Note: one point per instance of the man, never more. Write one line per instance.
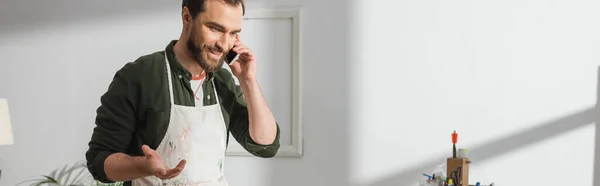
(159, 129)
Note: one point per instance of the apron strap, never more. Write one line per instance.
(169, 78)
(215, 90)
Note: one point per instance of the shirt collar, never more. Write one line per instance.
(177, 67)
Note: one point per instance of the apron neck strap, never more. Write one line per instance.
(169, 78)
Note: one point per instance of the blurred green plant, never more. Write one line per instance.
(69, 175)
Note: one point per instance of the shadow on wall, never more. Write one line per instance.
(520, 140)
(597, 135)
(17, 16)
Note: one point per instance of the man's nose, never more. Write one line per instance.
(227, 41)
(220, 47)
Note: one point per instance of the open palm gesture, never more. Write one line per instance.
(157, 166)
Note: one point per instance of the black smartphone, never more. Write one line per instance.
(230, 56)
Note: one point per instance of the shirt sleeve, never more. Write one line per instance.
(115, 124)
(239, 127)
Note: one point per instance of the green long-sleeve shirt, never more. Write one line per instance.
(135, 109)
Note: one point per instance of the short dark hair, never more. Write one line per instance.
(197, 6)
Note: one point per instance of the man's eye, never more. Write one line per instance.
(213, 29)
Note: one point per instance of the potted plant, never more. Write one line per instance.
(69, 175)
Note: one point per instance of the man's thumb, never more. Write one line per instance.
(146, 149)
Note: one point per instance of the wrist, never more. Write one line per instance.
(248, 84)
(141, 164)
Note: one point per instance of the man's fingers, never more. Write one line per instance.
(161, 172)
(243, 51)
(181, 164)
(169, 176)
(171, 173)
(177, 169)
(164, 177)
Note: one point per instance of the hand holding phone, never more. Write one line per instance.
(245, 67)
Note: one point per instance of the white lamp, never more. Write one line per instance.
(6, 135)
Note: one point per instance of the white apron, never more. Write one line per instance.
(198, 135)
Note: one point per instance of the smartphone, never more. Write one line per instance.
(230, 57)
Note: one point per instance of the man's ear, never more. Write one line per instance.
(186, 18)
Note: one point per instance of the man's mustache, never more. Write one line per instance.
(217, 49)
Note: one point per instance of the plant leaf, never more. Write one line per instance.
(51, 179)
(69, 175)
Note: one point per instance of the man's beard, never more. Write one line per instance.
(208, 65)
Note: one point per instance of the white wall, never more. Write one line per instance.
(385, 83)
(498, 72)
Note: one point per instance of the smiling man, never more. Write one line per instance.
(166, 117)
